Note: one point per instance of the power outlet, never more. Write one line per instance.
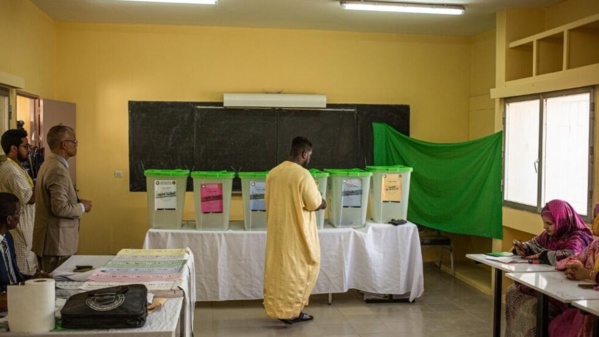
(118, 174)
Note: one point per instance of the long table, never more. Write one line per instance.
(377, 258)
(499, 269)
(555, 285)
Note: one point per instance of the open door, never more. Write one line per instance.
(55, 113)
(4, 111)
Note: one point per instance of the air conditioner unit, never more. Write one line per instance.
(275, 100)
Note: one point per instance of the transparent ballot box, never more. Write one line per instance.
(166, 197)
(212, 199)
(347, 196)
(389, 192)
(321, 179)
(253, 185)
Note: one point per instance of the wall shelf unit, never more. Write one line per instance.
(558, 49)
(562, 57)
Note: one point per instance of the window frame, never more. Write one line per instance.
(541, 97)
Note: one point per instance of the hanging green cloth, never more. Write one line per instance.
(454, 187)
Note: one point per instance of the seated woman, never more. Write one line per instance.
(584, 266)
(565, 235)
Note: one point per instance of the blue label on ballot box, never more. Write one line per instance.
(257, 196)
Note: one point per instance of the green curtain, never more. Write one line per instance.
(454, 187)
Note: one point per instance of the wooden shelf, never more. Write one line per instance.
(593, 19)
(550, 54)
(555, 50)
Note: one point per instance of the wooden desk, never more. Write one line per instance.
(554, 285)
(499, 268)
(378, 258)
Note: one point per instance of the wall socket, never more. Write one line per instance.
(118, 174)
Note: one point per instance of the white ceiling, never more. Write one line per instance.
(287, 14)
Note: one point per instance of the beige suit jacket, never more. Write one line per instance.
(57, 213)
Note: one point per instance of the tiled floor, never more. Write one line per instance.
(447, 308)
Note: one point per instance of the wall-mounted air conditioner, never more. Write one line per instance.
(275, 100)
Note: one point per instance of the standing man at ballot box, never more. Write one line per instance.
(292, 246)
(59, 210)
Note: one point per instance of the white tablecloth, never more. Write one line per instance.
(378, 258)
(161, 323)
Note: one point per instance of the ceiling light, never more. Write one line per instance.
(195, 2)
(404, 7)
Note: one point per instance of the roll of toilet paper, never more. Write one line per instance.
(31, 306)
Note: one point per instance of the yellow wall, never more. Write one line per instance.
(28, 38)
(510, 26)
(482, 79)
(102, 67)
(445, 80)
(480, 116)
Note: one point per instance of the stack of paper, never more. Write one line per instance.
(157, 269)
(507, 259)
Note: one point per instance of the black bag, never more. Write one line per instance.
(114, 307)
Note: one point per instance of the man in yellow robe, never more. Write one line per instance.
(292, 246)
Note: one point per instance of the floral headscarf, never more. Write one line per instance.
(570, 230)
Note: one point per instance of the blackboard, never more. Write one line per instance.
(207, 137)
(160, 136)
(331, 131)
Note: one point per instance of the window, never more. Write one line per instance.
(548, 143)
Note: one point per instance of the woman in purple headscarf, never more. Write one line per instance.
(565, 235)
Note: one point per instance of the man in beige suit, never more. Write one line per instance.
(59, 210)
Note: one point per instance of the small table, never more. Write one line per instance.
(161, 323)
(554, 285)
(499, 269)
(187, 286)
(592, 307)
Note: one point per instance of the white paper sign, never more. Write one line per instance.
(165, 195)
(352, 192)
(257, 196)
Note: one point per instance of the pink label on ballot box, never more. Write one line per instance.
(212, 198)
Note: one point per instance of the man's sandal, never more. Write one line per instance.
(301, 318)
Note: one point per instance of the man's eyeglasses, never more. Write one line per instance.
(74, 141)
(27, 146)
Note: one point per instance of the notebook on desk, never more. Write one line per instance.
(506, 259)
(499, 254)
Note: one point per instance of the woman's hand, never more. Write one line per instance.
(518, 248)
(518, 251)
(532, 257)
(577, 272)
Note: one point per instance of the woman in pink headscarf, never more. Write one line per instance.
(565, 235)
(584, 266)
